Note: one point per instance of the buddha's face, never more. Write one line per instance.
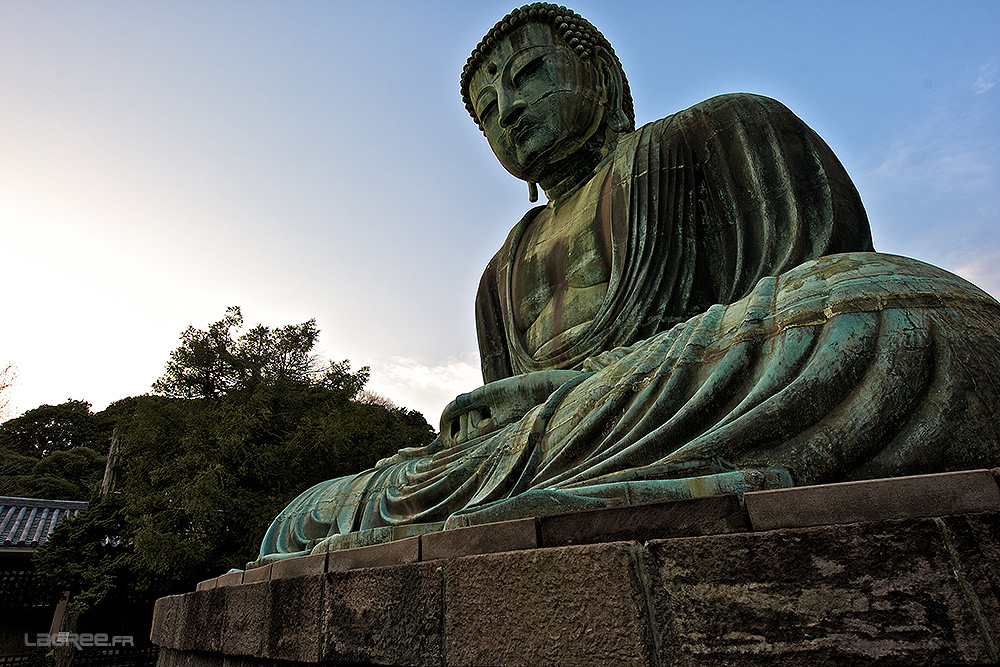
(537, 101)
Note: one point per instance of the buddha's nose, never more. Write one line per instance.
(510, 111)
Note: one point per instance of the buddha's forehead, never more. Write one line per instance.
(517, 40)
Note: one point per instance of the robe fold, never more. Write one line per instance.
(703, 204)
(750, 339)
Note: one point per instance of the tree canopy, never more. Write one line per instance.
(239, 424)
(50, 428)
(54, 451)
(214, 362)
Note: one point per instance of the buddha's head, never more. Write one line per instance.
(547, 90)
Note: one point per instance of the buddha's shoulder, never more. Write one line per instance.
(723, 109)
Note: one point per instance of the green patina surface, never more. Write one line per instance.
(697, 309)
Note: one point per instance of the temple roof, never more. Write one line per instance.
(28, 522)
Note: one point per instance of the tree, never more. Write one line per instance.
(66, 475)
(212, 363)
(12, 466)
(240, 424)
(49, 428)
(53, 451)
(92, 556)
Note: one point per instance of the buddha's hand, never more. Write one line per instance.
(498, 404)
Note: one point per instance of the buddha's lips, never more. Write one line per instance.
(517, 131)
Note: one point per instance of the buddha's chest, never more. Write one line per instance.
(562, 266)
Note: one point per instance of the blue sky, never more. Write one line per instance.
(162, 161)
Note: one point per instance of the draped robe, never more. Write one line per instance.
(750, 339)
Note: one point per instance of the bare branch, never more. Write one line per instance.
(7, 378)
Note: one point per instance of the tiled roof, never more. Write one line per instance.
(28, 522)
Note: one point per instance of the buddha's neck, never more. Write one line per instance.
(571, 173)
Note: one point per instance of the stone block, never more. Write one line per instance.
(302, 566)
(574, 606)
(243, 661)
(482, 539)
(377, 555)
(387, 615)
(679, 518)
(202, 620)
(246, 622)
(880, 592)
(234, 578)
(874, 500)
(296, 610)
(973, 541)
(207, 584)
(168, 621)
(172, 658)
(253, 575)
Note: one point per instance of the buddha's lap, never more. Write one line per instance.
(849, 366)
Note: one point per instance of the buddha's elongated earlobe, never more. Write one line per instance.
(532, 192)
(616, 119)
(614, 114)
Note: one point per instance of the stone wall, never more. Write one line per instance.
(899, 571)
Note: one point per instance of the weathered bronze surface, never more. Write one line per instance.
(697, 309)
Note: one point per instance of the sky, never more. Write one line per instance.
(161, 161)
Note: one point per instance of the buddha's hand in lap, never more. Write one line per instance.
(498, 404)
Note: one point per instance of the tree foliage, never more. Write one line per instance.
(240, 425)
(214, 362)
(92, 556)
(63, 475)
(54, 451)
(50, 428)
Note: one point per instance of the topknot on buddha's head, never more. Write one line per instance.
(578, 33)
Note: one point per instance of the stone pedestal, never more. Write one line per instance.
(903, 571)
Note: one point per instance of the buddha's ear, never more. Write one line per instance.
(616, 118)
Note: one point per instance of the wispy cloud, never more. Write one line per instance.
(932, 189)
(938, 163)
(980, 268)
(988, 76)
(422, 385)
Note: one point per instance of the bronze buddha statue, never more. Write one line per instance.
(697, 309)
